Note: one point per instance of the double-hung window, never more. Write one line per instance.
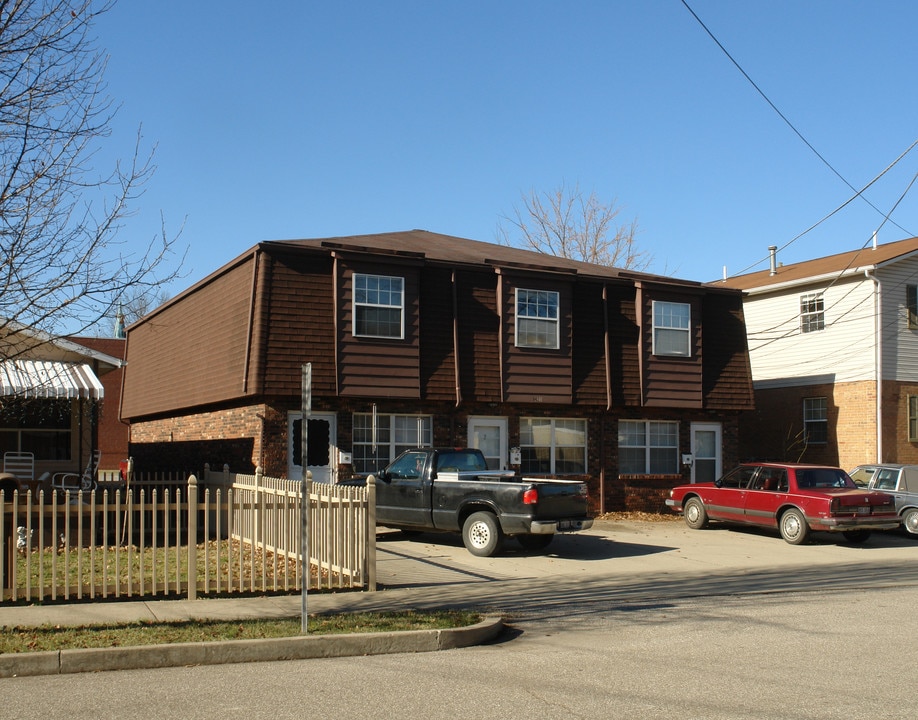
(648, 447)
(671, 328)
(553, 446)
(913, 418)
(393, 435)
(379, 306)
(537, 319)
(911, 306)
(812, 312)
(816, 420)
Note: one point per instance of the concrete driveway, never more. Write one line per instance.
(617, 562)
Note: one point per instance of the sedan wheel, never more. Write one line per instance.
(696, 517)
(910, 520)
(793, 527)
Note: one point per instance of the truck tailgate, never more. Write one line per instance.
(559, 498)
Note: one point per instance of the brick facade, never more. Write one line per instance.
(250, 436)
(851, 419)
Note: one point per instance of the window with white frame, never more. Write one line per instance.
(913, 418)
(816, 420)
(553, 446)
(911, 306)
(379, 306)
(812, 313)
(671, 328)
(394, 434)
(648, 447)
(537, 319)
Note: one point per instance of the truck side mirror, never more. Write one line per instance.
(383, 475)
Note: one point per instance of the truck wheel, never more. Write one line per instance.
(481, 534)
(910, 521)
(696, 517)
(534, 543)
(793, 527)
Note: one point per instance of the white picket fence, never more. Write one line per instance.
(239, 534)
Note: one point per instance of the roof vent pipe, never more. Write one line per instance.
(773, 252)
(874, 239)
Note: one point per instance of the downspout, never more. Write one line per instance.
(456, 341)
(877, 359)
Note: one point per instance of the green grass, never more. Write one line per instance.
(46, 637)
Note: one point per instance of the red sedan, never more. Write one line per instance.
(794, 498)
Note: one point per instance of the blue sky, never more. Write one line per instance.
(306, 119)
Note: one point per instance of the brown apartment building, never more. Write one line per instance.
(632, 381)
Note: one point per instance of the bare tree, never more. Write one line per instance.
(64, 266)
(568, 223)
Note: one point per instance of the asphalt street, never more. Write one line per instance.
(629, 620)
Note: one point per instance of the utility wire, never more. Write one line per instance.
(784, 118)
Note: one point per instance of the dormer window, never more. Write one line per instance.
(379, 306)
(671, 328)
(537, 319)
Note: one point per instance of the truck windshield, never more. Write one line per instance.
(461, 461)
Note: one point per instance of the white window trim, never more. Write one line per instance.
(912, 404)
(647, 446)
(818, 315)
(556, 320)
(355, 304)
(391, 444)
(808, 405)
(555, 444)
(687, 331)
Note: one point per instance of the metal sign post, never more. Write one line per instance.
(306, 409)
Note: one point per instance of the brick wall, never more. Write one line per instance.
(774, 431)
(257, 435)
(896, 445)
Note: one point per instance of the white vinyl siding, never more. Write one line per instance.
(900, 344)
(781, 355)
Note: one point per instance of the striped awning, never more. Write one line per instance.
(49, 379)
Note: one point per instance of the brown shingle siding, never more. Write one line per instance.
(479, 328)
(437, 360)
(191, 352)
(727, 377)
(300, 324)
(588, 353)
(378, 367)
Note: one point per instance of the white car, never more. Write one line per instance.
(900, 481)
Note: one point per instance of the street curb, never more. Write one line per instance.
(59, 662)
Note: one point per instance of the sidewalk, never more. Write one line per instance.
(585, 573)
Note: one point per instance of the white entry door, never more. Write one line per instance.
(706, 452)
(489, 434)
(322, 446)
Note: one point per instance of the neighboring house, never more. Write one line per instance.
(550, 365)
(824, 335)
(51, 398)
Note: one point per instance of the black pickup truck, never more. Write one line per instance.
(452, 490)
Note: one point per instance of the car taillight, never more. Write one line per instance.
(833, 506)
(531, 496)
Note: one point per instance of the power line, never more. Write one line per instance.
(784, 118)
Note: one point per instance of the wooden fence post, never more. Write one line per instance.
(371, 533)
(192, 537)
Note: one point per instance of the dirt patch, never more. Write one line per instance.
(635, 516)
